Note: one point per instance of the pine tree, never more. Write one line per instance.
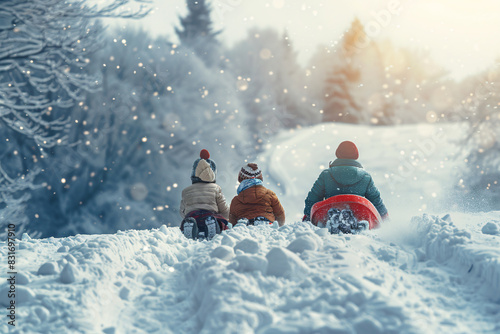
(288, 86)
(196, 32)
(270, 83)
(340, 103)
(354, 40)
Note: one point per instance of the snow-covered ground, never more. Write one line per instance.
(419, 273)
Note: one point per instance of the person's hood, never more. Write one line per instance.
(346, 171)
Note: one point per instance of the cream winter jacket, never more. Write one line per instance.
(206, 196)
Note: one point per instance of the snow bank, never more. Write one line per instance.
(473, 258)
(82, 283)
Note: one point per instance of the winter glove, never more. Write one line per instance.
(306, 218)
(385, 217)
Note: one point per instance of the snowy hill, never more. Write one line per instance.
(424, 274)
(412, 165)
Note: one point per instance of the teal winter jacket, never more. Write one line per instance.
(344, 176)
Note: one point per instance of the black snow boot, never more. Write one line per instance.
(208, 228)
(347, 221)
(190, 228)
(333, 220)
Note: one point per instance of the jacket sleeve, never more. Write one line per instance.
(232, 212)
(373, 195)
(316, 194)
(222, 204)
(278, 211)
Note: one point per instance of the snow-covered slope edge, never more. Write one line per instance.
(446, 244)
(82, 283)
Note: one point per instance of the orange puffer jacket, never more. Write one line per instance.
(254, 202)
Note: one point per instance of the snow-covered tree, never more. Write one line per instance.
(340, 104)
(290, 87)
(44, 51)
(372, 82)
(270, 82)
(354, 41)
(412, 89)
(196, 32)
(340, 97)
(14, 196)
(481, 179)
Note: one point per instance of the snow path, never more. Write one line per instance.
(411, 165)
(237, 295)
(366, 273)
(108, 269)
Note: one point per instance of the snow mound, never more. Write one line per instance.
(49, 268)
(68, 274)
(491, 228)
(443, 242)
(227, 241)
(283, 263)
(248, 263)
(223, 253)
(303, 243)
(24, 295)
(92, 281)
(247, 246)
(22, 278)
(267, 289)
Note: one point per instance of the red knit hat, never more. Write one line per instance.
(204, 154)
(347, 150)
(250, 171)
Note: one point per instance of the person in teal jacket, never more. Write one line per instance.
(345, 176)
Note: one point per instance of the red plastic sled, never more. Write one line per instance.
(362, 209)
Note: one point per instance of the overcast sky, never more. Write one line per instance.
(462, 35)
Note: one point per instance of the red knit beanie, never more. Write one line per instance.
(250, 171)
(347, 150)
(204, 154)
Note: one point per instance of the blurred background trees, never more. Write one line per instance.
(44, 55)
(480, 177)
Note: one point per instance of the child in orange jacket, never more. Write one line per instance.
(254, 201)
